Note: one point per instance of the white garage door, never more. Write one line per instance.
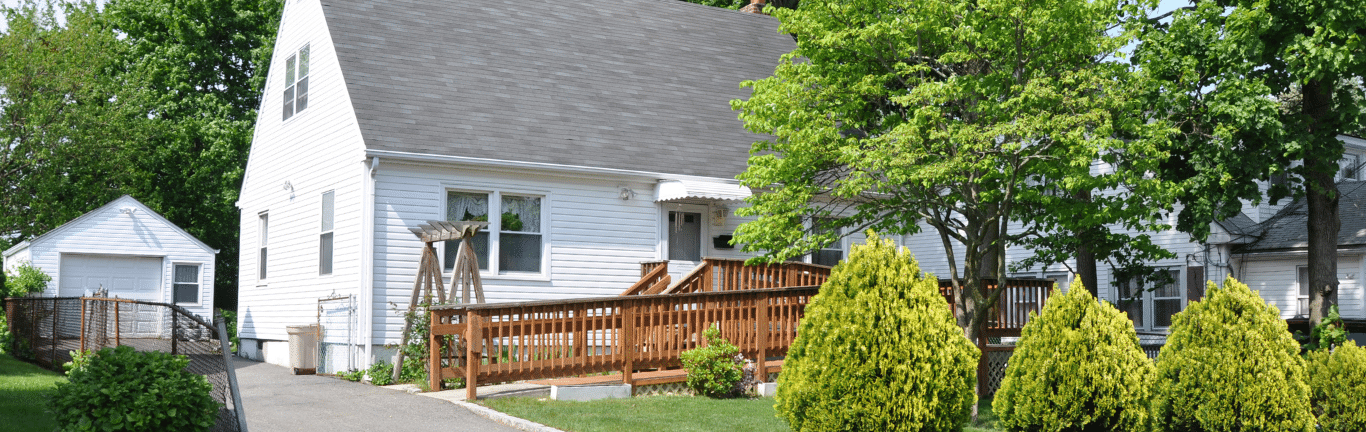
(124, 277)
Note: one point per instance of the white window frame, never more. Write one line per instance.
(1350, 163)
(1301, 286)
(494, 229)
(1148, 322)
(326, 233)
(198, 283)
(297, 71)
(263, 246)
(838, 244)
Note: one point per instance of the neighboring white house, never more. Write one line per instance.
(597, 134)
(127, 249)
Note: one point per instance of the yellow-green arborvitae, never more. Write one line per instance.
(878, 350)
(1337, 383)
(1230, 364)
(1077, 367)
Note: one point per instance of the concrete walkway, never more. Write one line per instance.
(276, 400)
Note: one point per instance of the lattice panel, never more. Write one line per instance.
(669, 389)
(996, 370)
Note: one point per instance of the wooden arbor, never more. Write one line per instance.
(465, 277)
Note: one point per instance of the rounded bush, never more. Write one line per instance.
(1230, 364)
(1337, 383)
(878, 350)
(1077, 367)
(716, 369)
(118, 389)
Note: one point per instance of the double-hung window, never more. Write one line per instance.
(186, 284)
(296, 83)
(1302, 296)
(1151, 309)
(325, 233)
(264, 232)
(514, 240)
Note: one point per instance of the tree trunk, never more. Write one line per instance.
(1086, 257)
(1322, 196)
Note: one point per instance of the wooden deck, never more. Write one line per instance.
(641, 378)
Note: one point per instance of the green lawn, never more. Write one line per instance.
(22, 390)
(665, 413)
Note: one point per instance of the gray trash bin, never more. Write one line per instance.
(303, 349)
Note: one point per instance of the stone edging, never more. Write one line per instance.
(519, 423)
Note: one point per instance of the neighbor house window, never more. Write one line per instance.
(1151, 308)
(512, 242)
(1302, 296)
(325, 234)
(186, 284)
(1349, 167)
(264, 241)
(296, 83)
(831, 253)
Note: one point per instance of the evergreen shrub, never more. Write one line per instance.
(715, 369)
(878, 350)
(119, 389)
(1077, 367)
(1230, 364)
(1337, 383)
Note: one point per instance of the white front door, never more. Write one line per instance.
(685, 237)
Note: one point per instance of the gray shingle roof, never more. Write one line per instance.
(627, 84)
(1287, 230)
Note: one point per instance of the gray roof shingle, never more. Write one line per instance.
(626, 84)
(1288, 229)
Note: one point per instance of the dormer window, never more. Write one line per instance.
(1349, 167)
(296, 83)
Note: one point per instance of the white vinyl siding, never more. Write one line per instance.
(315, 151)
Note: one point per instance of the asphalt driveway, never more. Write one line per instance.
(276, 400)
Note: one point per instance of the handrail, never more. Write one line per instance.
(728, 274)
(648, 280)
(695, 281)
(499, 342)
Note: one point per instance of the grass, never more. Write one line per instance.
(668, 413)
(22, 390)
(653, 413)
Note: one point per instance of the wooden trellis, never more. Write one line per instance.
(464, 280)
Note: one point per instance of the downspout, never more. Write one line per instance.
(367, 259)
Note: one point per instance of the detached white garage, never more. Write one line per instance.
(127, 250)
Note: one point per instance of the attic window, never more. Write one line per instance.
(296, 83)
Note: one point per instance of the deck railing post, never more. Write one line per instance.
(474, 340)
(628, 346)
(433, 354)
(761, 321)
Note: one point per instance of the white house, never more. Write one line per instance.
(127, 249)
(592, 135)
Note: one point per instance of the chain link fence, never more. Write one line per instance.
(46, 330)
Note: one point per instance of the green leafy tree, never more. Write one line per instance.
(1077, 367)
(1230, 364)
(201, 65)
(1337, 381)
(1250, 86)
(66, 117)
(23, 280)
(958, 115)
(878, 350)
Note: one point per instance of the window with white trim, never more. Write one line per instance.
(1349, 167)
(185, 286)
(296, 83)
(1151, 309)
(1302, 296)
(325, 233)
(514, 241)
(263, 229)
(831, 253)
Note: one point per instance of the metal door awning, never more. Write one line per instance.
(690, 190)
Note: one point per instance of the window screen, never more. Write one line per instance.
(519, 238)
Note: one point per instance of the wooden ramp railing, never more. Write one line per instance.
(722, 274)
(547, 339)
(1021, 296)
